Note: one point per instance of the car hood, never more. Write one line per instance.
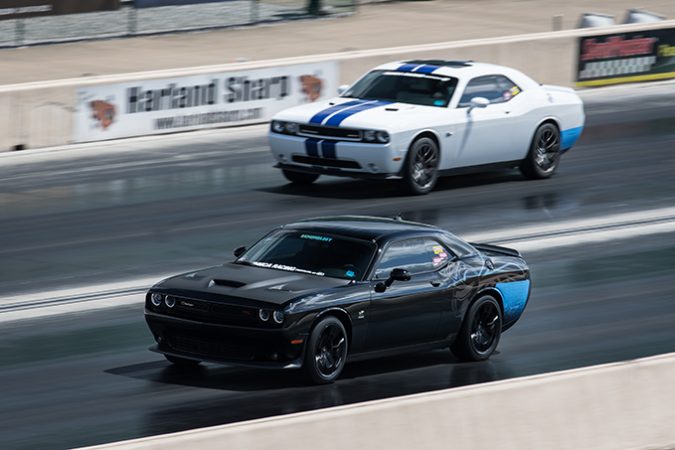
(354, 113)
(249, 282)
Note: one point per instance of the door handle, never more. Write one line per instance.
(435, 283)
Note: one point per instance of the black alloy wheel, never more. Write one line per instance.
(420, 172)
(182, 362)
(300, 178)
(544, 155)
(326, 351)
(480, 332)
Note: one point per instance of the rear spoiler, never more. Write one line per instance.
(493, 250)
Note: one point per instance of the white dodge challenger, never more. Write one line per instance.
(416, 120)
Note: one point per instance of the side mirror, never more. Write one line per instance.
(342, 89)
(239, 251)
(395, 275)
(478, 102)
(399, 275)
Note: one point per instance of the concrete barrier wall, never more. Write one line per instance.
(617, 406)
(39, 114)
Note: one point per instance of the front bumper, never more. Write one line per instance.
(339, 158)
(252, 347)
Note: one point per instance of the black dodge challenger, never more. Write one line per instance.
(321, 292)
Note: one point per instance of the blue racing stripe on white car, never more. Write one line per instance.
(312, 146)
(328, 149)
(417, 68)
(426, 69)
(407, 67)
(337, 118)
(321, 115)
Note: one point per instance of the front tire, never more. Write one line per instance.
(326, 351)
(300, 178)
(544, 156)
(182, 362)
(480, 332)
(420, 171)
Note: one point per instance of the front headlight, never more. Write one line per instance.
(170, 301)
(376, 136)
(264, 315)
(156, 298)
(278, 126)
(382, 136)
(278, 317)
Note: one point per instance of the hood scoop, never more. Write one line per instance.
(226, 283)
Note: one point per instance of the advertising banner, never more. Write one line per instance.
(201, 101)
(19, 9)
(626, 58)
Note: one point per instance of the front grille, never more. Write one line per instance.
(330, 132)
(209, 347)
(316, 161)
(214, 312)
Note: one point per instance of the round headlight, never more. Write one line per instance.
(278, 126)
(382, 136)
(264, 315)
(170, 301)
(156, 298)
(369, 135)
(278, 316)
(291, 127)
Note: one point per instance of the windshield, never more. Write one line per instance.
(315, 254)
(418, 89)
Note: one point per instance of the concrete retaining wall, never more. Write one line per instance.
(40, 114)
(617, 406)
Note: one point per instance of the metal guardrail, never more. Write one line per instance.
(129, 21)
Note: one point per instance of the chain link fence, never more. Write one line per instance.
(130, 21)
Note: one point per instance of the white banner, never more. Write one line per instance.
(200, 101)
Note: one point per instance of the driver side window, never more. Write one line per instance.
(417, 255)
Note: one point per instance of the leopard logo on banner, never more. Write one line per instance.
(311, 87)
(103, 113)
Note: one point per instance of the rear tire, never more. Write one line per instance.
(182, 362)
(300, 178)
(326, 351)
(479, 336)
(544, 156)
(420, 171)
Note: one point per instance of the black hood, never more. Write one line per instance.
(249, 282)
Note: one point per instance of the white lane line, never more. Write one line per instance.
(529, 238)
(530, 232)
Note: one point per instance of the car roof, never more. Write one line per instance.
(463, 69)
(363, 227)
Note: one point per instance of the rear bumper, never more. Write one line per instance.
(250, 347)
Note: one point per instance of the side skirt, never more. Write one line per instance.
(480, 168)
(401, 350)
